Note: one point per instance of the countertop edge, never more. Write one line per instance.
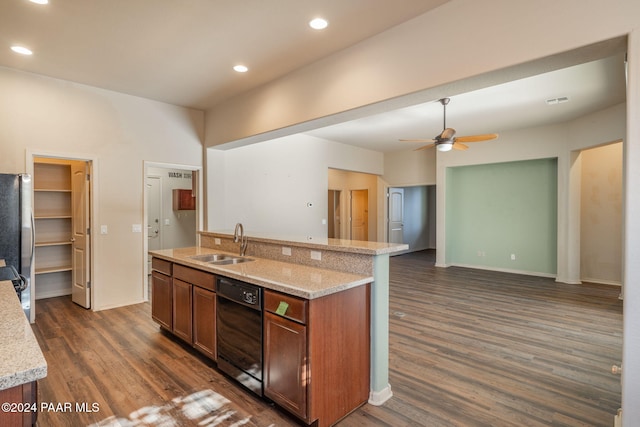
(338, 245)
(230, 271)
(31, 365)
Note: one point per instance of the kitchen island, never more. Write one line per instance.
(325, 320)
(21, 362)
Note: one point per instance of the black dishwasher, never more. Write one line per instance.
(239, 331)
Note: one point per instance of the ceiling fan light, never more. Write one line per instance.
(445, 146)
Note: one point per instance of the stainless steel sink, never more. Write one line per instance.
(231, 260)
(220, 259)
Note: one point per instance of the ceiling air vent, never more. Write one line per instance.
(560, 100)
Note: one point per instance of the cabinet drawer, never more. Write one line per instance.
(296, 310)
(161, 265)
(195, 277)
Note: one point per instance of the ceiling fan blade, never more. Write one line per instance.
(417, 140)
(447, 134)
(459, 146)
(424, 147)
(477, 138)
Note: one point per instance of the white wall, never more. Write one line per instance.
(119, 132)
(267, 186)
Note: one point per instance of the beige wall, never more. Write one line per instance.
(601, 214)
(40, 115)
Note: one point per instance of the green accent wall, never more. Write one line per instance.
(495, 210)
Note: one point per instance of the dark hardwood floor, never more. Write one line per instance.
(467, 348)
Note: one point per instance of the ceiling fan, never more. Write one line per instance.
(447, 140)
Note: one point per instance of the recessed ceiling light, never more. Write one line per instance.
(39, 1)
(318, 24)
(21, 50)
(241, 68)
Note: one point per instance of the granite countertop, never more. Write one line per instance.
(293, 279)
(341, 245)
(21, 360)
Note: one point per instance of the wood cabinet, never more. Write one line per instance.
(204, 321)
(285, 363)
(182, 310)
(162, 293)
(52, 226)
(24, 395)
(183, 301)
(184, 200)
(316, 353)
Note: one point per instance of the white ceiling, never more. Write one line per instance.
(517, 104)
(182, 52)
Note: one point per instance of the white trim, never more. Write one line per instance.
(377, 398)
(505, 270)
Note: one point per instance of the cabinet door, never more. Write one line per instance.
(161, 299)
(285, 363)
(204, 321)
(182, 323)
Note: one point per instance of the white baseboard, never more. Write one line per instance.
(617, 419)
(377, 398)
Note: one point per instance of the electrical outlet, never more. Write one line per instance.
(316, 255)
(513, 257)
(286, 251)
(216, 240)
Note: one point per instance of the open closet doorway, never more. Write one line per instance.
(63, 212)
(172, 208)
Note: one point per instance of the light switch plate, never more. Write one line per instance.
(136, 228)
(104, 229)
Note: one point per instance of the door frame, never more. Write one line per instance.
(145, 211)
(94, 186)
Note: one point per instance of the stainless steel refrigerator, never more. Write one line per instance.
(17, 234)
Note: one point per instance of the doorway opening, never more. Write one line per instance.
(359, 215)
(334, 214)
(411, 213)
(62, 207)
(352, 208)
(172, 209)
(601, 214)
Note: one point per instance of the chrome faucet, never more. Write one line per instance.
(238, 236)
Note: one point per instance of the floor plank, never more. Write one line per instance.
(467, 348)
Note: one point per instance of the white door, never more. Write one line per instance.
(360, 215)
(396, 215)
(81, 242)
(154, 213)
